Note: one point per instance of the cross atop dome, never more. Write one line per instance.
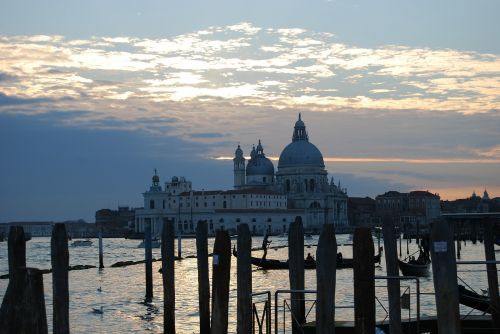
(299, 131)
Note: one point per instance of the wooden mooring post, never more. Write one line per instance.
(149, 260)
(244, 280)
(364, 282)
(326, 265)
(221, 261)
(203, 278)
(296, 272)
(16, 245)
(444, 269)
(101, 253)
(23, 306)
(489, 250)
(60, 287)
(392, 268)
(168, 276)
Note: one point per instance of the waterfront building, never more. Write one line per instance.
(361, 211)
(266, 200)
(472, 204)
(116, 223)
(409, 208)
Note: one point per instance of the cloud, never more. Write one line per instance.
(14, 101)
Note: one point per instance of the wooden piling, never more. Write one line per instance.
(101, 255)
(168, 276)
(16, 249)
(244, 280)
(444, 270)
(296, 272)
(326, 265)
(60, 286)
(149, 260)
(489, 250)
(23, 306)
(392, 268)
(203, 279)
(364, 282)
(221, 261)
(179, 244)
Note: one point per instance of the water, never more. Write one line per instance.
(122, 289)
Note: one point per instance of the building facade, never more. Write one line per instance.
(410, 209)
(267, 200)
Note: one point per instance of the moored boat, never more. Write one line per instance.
(473, 300)
(155, 243)
(414, 269)
(271, 264)
(82, 243)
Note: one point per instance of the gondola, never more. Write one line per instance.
(414, 269)
(473, 300)
(270, 264)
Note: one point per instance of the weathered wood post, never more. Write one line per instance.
(392, 268)
(457, 235)
(244, 280)
(326, 265)
(220, 282)
(364, 282)
(296, 272)
(168, 276)
(444, 270)
(16, 249)
(60, 286)
(489, 250)
(23, 306)
(203, 279)
(101, 255)
(179, 244)
(149, 260)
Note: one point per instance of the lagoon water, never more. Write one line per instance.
(120, 291)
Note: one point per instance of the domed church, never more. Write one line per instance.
(301, 176)
(267, 200)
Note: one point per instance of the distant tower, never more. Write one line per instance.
(239, 168)
(156, 183)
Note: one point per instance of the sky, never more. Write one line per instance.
(94, 95)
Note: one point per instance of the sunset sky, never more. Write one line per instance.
(94, 95)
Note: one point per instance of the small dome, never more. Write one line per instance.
(301, 153)
(260, 166)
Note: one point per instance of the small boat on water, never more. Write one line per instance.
(82, 243)
(473, 300)
(271, 264)
(155, 243)
(419, 267)
(414, 269)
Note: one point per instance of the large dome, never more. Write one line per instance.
(300, 152)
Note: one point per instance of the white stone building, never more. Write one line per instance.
(265, 200)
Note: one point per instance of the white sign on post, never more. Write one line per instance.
(440, 246)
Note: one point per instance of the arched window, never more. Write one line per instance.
(311, 184)
(305, 184)
(224, 204)
(287, 185)
(151, 204)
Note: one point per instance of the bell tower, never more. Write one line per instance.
(239, 168)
